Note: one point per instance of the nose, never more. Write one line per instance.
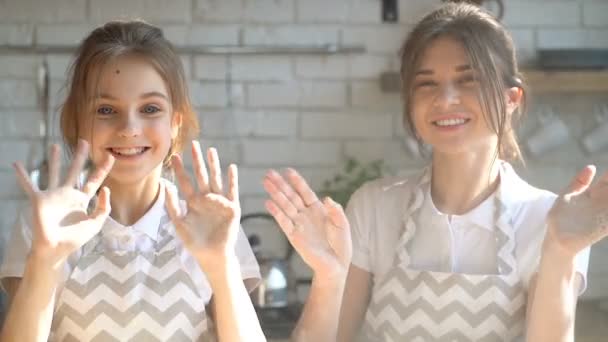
(448, 95)
(130, 125)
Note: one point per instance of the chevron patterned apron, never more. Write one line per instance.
(131, 296)
(414, 305)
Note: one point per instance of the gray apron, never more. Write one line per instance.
(131, 296)
(414, 305)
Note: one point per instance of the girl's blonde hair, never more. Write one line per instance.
(118, 39)
(491, 53)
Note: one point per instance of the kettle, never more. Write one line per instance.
(276, 283)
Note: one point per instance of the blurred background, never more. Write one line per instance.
(312, 84)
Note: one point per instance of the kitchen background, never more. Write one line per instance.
(307, 108)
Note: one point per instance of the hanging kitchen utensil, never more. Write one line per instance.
(39, 175)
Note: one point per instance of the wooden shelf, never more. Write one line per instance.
(561, 81)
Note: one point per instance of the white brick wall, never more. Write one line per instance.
(308, 111)
(21, 124)
(156, 11)
(49, 11)
(520, 13)
(218, 10)
(248, 123)
(322, 67)
(377, 39)
(291, 35)
(290, 153)
(261, 68)
(269, 11)
(181, 35)
(595, 13)
(18, 66)
(68, 34)
(321, 11)
(346, 125)
(17, 94)
(16, 34)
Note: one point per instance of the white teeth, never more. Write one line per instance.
(450, 122)
(128, 151)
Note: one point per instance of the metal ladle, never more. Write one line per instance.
(40, 175)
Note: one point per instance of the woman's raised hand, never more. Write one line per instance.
(61, 221)
(319, 231)
(579, 217)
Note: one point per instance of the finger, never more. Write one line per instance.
(172, 205)
(80, 157)
(581, 181)
(286, 189)
(200, 170)
(182, 177)
(97, 177)
(175, 214)
(335, 213)
(284, 222)
(279, 199)
(233, 183)
(299, 183)
(338, 235)
(54, 166)
(24, 180)
(215, 179)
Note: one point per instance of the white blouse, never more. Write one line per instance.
(449, 243)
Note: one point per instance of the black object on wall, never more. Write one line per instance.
(390, 10)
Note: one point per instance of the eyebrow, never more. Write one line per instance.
(142, 96)
(464, 67)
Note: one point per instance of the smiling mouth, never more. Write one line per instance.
(128, 152)
(451, 122)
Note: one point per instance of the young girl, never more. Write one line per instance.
(126, 268)
(466, 250)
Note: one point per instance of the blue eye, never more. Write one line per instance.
(150, 109)
(105, 110)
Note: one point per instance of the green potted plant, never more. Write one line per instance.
(354, 173)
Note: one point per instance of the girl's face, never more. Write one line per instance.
(131, 119)
(446, 108)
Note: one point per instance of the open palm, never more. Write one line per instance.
(210, 226)
(579, 217)
(319, 232)
(61, 221)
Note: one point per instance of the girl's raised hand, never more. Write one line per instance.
(319, 231)
(210, 227)
(579, 217)
(61, 222)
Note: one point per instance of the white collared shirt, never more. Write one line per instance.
(456, 243)
(115, 236)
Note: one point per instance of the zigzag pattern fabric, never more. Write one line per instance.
(131, 296)
(415, 305)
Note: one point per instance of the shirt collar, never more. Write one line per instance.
(484, 214)
(147, 224)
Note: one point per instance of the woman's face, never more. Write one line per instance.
(446, 108)
(131, 119)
